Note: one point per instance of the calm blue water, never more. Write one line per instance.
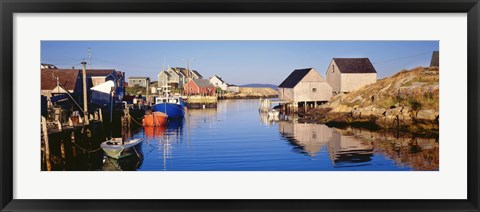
(236, 137)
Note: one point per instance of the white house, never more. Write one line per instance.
(233, 88)
(349, 74)
(218, 82)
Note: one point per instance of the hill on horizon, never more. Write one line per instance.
(260, 85)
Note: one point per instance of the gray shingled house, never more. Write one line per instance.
(305, 87)
(349, 74)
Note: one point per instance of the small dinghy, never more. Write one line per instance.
(114, 147)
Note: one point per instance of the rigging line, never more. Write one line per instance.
(401, 58)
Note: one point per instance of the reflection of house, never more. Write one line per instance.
(199, 87)
(218, 82)
(344, 148)
(435, 59)
(310, 137)
(140, 81)
(349, 74)
(305, 86)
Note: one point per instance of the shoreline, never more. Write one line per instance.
(398, 123)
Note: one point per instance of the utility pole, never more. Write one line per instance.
(89, 59)
(85, 106)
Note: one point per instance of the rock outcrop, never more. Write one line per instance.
(409, 100)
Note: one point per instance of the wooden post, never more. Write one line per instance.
(101, 115)
(46, 144)
(85, 106)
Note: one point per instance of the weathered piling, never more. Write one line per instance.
(46, 144)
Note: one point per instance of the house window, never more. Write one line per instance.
(333, 68)
(314, 89)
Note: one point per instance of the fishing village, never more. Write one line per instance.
(107, 119)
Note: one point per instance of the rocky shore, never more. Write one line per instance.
(407, 101)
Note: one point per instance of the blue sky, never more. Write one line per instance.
(237, 62)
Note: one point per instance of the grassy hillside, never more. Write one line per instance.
(417, 89)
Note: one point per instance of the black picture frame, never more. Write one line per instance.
(10, 7)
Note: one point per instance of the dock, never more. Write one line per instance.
(197, 101)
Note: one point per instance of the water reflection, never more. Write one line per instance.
(123, 164)
(310, 137)
(345, 148)
(353, 147)
(236, 137)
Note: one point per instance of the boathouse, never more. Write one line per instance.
(199, 87)
(349, 74)
(305, 87)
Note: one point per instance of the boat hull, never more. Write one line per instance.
(121, 151)
(172, 110)
(156, 119)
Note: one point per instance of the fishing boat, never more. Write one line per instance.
(173, 106)
(155, 119)
(115, 148)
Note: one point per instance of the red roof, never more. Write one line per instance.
(66, 77)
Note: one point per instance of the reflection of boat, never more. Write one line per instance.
(122, 164)
(155, 119)
(154, 132)
(115, 148)
(273, 114)
(175, 124)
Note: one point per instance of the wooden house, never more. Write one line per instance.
(141, 81)
(176, 77)
(199, 87)
(55, 80)
(163, 79)
(305, 87)
(350, 74)
(218, 82)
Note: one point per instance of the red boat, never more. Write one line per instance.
(155, 119)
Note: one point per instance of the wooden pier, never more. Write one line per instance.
(195, 102)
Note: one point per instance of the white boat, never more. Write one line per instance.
(114, 147)
(273, 113)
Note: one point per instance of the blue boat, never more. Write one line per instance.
(174, 106)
